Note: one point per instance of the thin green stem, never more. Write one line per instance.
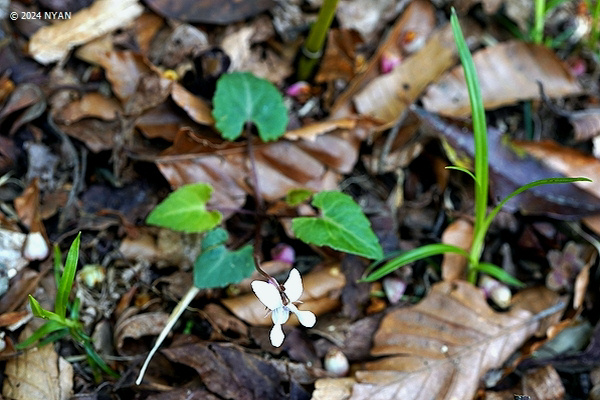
(313, 47)
(481, 149)
(538, 27)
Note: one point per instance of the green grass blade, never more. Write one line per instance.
(462, 169)
(53, 337)
(66, 280)
(549, 181)
(479, 124)
(41, 332)
(57, 264)
(97, 360)
(414, 255)
(498, 273)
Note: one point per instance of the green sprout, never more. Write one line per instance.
(58, 325)
(483, 219)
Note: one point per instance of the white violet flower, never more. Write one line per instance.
(280, 300)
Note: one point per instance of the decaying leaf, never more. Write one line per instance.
(441, 347)
(53, 42)
(507, 74)
(39, 373)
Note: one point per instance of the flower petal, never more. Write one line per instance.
(293, 286)
(267, 294)
(276, 335)
(306, 318)
(280, 315)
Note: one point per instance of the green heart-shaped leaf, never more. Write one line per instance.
(217, 267)
(241, 97)
(343, 226)
(185, 210)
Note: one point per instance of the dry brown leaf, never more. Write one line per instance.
(386, 97)
(339, 59)
(27, 206)
(232, 372)
(162, 247)
(417, 19)
(586, 123)
(367, 17)
(311, 131)
(459, 233)
(333, 389)
(441, 347)
(134, 80)
(90, 105)
(136, 326)
(262, 62)
(27, 97)
(281, 166)
(535, 300)
(38, 373)
(222, 321)
(162, 122)
(146, 26)
(6, 87)
(98, 135)
(53, 42)
(197, 108)
(318, 288)
(508, 73)
(13, 317)
(567, 161)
